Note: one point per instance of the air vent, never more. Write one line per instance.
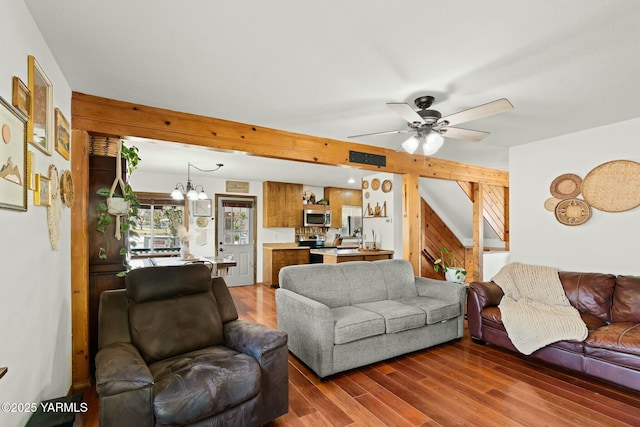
(367, 159)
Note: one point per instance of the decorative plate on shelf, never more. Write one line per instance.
(566, 186)
(66, 188)
(365, 184)
(386, 186)
(375, 184)
(202, 221)
(573, 212)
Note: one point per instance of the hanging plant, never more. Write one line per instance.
(127, 210)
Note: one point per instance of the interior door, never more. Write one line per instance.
(236, 237)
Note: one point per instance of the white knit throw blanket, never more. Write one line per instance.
(535, 310)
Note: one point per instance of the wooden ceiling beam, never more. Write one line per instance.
(112, 117)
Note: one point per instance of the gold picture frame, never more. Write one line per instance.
(40, 129)
(31, 166)
(13, 157)
(63, 135)
(21, 96)
(42, 193)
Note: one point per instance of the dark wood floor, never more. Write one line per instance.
(458, 384)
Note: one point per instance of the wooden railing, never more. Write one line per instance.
(495, 207)
(435, 236)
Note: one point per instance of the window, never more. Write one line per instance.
(236, 224)
(159, 219)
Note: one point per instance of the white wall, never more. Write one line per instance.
(388, 230)
(608, 242)
(35, 289)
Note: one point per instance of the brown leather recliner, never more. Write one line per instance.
(173, 352)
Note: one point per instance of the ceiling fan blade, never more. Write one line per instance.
(466, 134)
(406, 112)
(495, 107)
(382, 133)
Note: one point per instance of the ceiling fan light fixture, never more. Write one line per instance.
(429, 125)
(432, 143)
(411, 144)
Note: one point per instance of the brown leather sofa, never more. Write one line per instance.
(173, 352)
(609, 306)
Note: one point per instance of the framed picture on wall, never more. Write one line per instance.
(20, 97)
(40, 130)
(63, 137)
(13, 158)
(42, 193)
(201, 208)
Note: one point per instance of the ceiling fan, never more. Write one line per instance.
(429, 127)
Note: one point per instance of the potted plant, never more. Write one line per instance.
(447, 263)
(129, 199)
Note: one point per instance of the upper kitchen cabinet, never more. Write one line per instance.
(339, 197)
(282, 204)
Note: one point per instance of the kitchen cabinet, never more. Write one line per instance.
(279, 255)
(282, 204)
(339, 197)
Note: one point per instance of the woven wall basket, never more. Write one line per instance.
(103, 146)
(566, 186)
(613, 186)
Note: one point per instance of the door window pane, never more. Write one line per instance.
(236, 225)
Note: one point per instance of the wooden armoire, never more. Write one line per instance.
(102, 272)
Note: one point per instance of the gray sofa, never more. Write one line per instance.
(352, 314)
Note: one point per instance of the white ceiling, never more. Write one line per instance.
(327, 68)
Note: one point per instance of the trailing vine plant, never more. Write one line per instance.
(128, 222)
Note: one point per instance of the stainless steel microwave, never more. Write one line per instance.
(316, 218)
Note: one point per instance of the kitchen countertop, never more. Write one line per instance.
(283, 246)
(350, 251)
(294, 245)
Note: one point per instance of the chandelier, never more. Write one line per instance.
(193, 192)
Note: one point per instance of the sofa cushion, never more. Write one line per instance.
(592, 322)
(167, 328)
(589, 292)
(626, 299)
(364, 282)
(570, 345)
(399, 278)
(437, 310)
(353, 323)
(398, 317)
(622, 337)
(324, 283)
(202, 383)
